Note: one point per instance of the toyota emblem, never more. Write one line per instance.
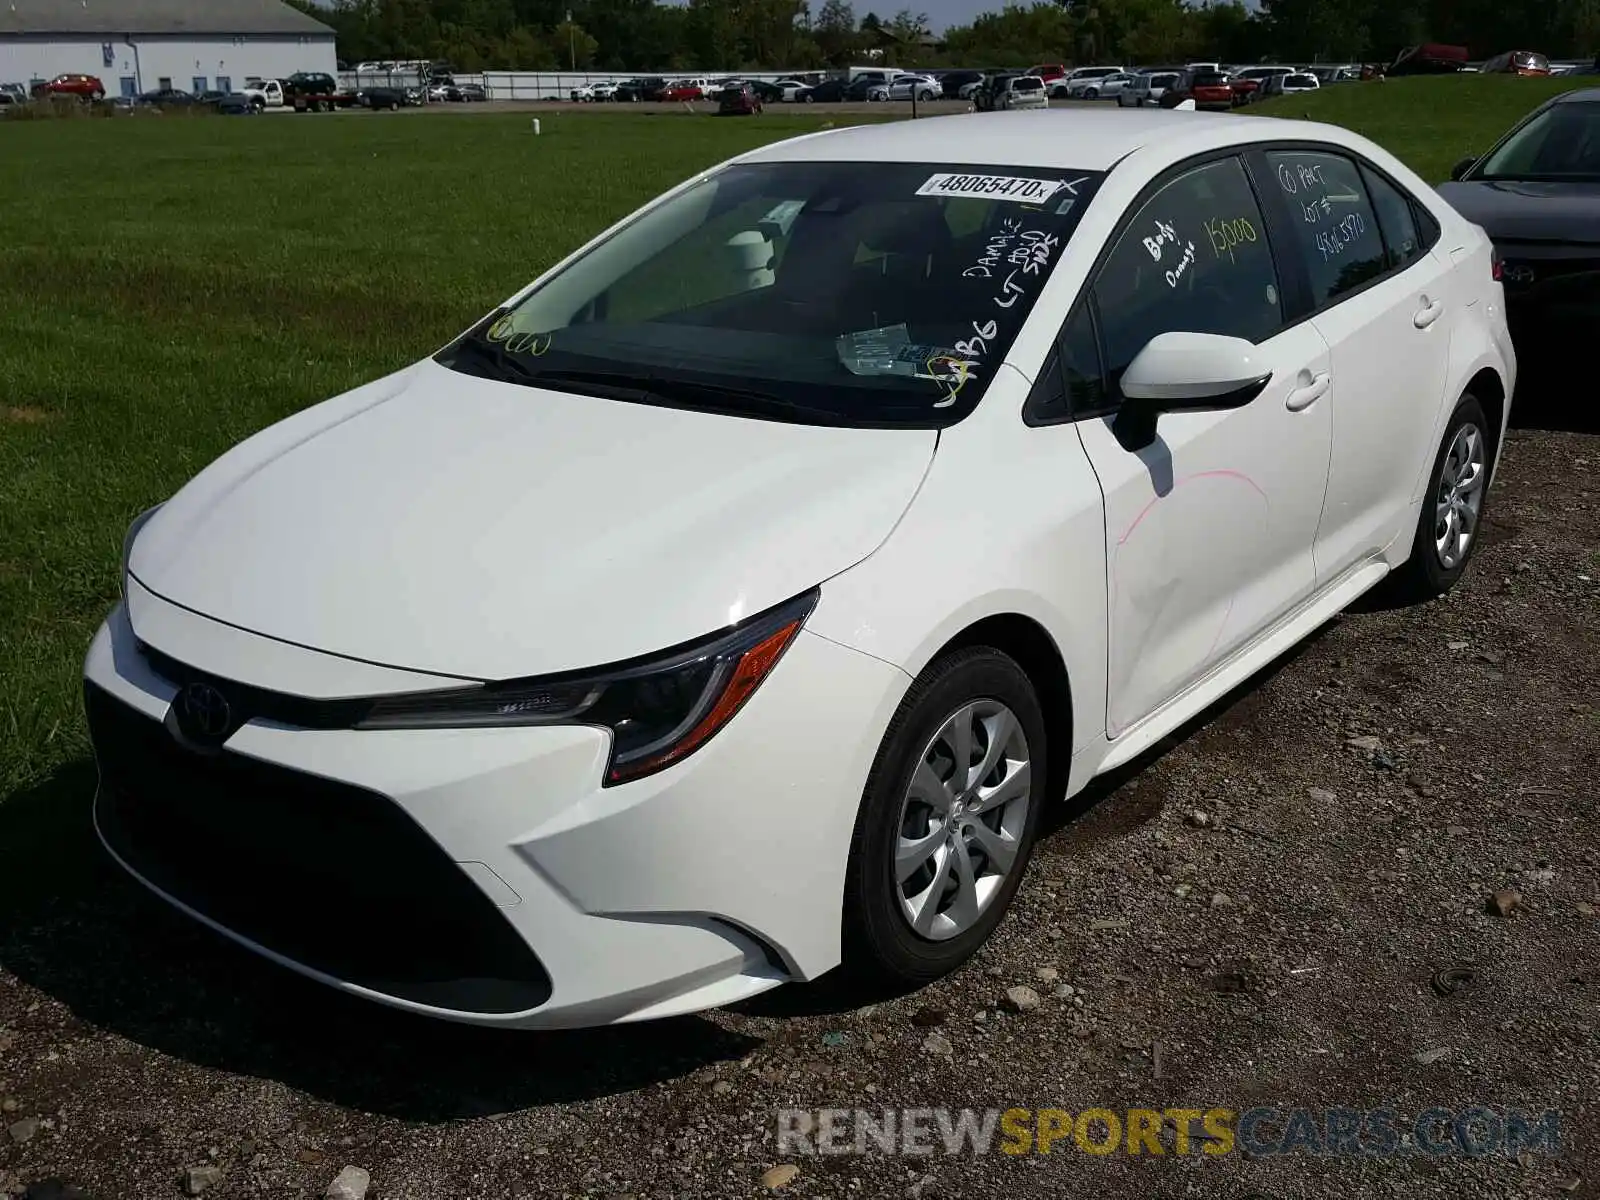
(1519, 274)
(204, 710)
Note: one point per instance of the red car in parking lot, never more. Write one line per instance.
(1208, 89)
(739, 99)
(86, 86)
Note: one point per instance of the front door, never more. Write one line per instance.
(1209, 530)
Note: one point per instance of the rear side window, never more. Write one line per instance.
(1194, 259)
(1337, 234)
(1396, 220)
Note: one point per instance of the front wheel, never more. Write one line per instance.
(947, 821)
(1452, 509)
(809, 99)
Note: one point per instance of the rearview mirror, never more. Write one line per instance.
(1460, 170)
(1186, 372)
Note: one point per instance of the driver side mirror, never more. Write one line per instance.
(1186, 372)
(1460, 170)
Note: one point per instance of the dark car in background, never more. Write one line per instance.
(1537, 194)
(951, 82)
(646, 87)
(168, 98)
(381, 98)
(832, 91)
(987, 94)
(738, 99)
(236, 104)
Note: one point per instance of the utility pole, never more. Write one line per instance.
(572, 41)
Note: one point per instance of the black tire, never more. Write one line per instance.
(1424, 577)
(879, 943)
(809, 99)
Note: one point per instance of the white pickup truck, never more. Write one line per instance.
(264, 93)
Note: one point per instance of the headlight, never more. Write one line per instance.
(127, 545)
(659, 711)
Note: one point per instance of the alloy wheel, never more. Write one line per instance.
(962, 819)
(1460, 497)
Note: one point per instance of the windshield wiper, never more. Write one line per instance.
(493, 354)
(644, 388)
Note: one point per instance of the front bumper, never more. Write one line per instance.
(484, 875)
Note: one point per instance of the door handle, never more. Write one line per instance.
(1304, 397)
(1428, 313)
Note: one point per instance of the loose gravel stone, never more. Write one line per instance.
(780, 1176)
(351, 1183)
(200, 1179)
(1020, 999)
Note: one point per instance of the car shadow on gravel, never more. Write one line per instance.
(75, 928)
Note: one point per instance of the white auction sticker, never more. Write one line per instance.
(993, 187)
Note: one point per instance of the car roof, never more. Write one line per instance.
(1583, 96)
(1085, 141)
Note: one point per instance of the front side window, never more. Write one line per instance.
(1559, 144)
(1194, 259)
(842, 293)
(1336, 231)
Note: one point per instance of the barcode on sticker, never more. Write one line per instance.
(996, 187)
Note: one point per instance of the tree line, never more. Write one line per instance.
(734, 35)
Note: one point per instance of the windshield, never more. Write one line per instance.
(1561, 143)
(1028, 83)
(832, 293)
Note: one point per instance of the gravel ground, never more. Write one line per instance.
(1251, 916)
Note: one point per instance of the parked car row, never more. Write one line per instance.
(304, 91)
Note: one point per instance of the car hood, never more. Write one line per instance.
(450, 524)
(1561, 212)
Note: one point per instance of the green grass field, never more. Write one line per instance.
(169, 286)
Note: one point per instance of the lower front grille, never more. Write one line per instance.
(332, 876)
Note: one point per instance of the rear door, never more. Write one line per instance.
(1383, 303)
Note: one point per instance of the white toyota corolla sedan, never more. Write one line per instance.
(727, 604)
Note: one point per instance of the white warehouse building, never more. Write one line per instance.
(135, 46)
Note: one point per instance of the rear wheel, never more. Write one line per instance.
(948, 819)
(1452, 509)
(809, 99)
